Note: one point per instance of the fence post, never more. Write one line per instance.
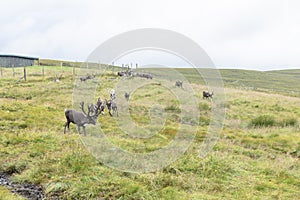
(73, 70)
(136, 65)
(1, 71)
(25, 73)
(43, 71)
(113, 66)
(13, 70)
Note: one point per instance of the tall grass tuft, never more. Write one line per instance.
(263, 121)
(289, 122)
(270, 121)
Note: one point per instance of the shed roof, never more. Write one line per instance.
(15, 56)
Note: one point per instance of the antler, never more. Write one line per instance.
(97, 110)
(99, 102)
(82, 108)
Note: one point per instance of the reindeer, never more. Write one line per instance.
(121, 73)
(81, 118)
(127, 73)
(112, 94)
(127, 95)
(178, 84)
(148, 76)
(111, 105)
(100, 104)
(57, 78)
(143, 75)
(207, 95)
(87, 77)
(84, 78)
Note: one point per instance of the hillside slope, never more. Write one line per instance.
(256, 156)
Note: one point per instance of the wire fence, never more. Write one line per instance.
(36, 72)
(54, 72)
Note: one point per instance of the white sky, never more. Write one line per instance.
(247, 34)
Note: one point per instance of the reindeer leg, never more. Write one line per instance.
(66, 124)
(84, 131)
(78, 127)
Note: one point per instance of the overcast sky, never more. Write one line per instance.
(247, 34)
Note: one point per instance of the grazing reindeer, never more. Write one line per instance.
(178, 84)
(121, 73)
(87, 77)
(207, 95)
(81, 118)
(83, 78)
(143, 75)
(147, 76)
(111, 105)
(127, 73)
(127, 95)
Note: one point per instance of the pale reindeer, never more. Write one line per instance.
(112, 94)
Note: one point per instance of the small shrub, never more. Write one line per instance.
(204, 106)
(22, 126)
(204, 120)
(172, 108)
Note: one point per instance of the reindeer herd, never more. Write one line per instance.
(83, 118)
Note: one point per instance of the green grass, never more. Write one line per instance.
(249, 161)
(5, 194)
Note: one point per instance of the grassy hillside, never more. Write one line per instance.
(283, 81)
(280, 81)
(256, 157)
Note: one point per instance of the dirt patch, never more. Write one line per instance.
(29, 191)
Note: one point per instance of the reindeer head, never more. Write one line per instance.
(93, 112)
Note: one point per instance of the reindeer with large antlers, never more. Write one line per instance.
(81, 118)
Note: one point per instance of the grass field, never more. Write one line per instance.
(256, 156)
